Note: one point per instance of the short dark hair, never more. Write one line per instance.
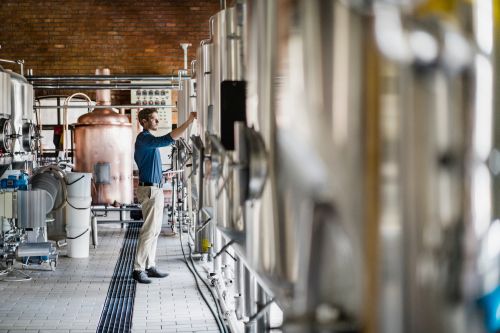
(145, 113)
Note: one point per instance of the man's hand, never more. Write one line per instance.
(192, 116)
(176, 133)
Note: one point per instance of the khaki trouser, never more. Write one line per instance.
(151, 199)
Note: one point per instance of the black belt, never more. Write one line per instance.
(150, 184)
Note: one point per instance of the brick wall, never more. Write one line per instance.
(57, 37)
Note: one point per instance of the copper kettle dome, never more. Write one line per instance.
(104, 116)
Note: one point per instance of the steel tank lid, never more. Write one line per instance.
(15, 76)
(103, 117)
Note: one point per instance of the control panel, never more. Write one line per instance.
(144, 98)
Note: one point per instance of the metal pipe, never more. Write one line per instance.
(17, 62)
(132, 106)
(261, 312)
(185, 48)
(127, 209)
(186, 146)
(193, 68)
(105, 77)
(218, 144)
(93, 224)
(120, 86)
(119, 221)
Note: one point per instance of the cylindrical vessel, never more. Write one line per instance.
(21, 121)
(40, 249)
(268, 253)
(5, 124)
(304, 236)
(5, 94)
(103, 144)
(218, 39)
(183, 103)
(204, 88)
(77, 214)
(227, 68)
(32, 208)
(48, 182)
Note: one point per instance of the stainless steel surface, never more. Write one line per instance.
(105, 86)
(270, 240)
(227, 65)
(437, 204)
(203, 89)
(22, 115)
(365, 177)
(6, 132)
(34, 249)
(104, 77)
(5, 94)
(314, 152)
(17, 62)
(187, 103)
(182, 102)
(48, 182)
(32, 208)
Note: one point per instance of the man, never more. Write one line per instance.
(150, 191)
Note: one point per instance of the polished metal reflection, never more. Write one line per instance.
(32, 208)
(437, 199)
(5, 94)
(21, 116)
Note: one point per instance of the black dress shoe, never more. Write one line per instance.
(153, 272)
(140, 276)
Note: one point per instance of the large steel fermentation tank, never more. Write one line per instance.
(23, 145)
(229, 93)
(103, 147)
(305, 232)
(201, 173)
(437, 217)
(5, 125)
(186, 105)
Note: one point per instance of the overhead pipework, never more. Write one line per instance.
(104, 82)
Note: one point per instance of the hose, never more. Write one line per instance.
(220, 324)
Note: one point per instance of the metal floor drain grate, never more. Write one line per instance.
(118, 307)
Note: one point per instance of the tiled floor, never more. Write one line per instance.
(71, 298)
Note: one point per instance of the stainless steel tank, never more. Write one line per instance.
(203, 90)
(5, 94)
(305, 232)
(201, 170)
(227, 74)
(271, 240)
(186, 105)
(5, 124)
(183, 103)
(32, 208)
(23, 145)
(103, 147)
(438, 129)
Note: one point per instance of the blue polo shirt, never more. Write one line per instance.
(147, 155)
